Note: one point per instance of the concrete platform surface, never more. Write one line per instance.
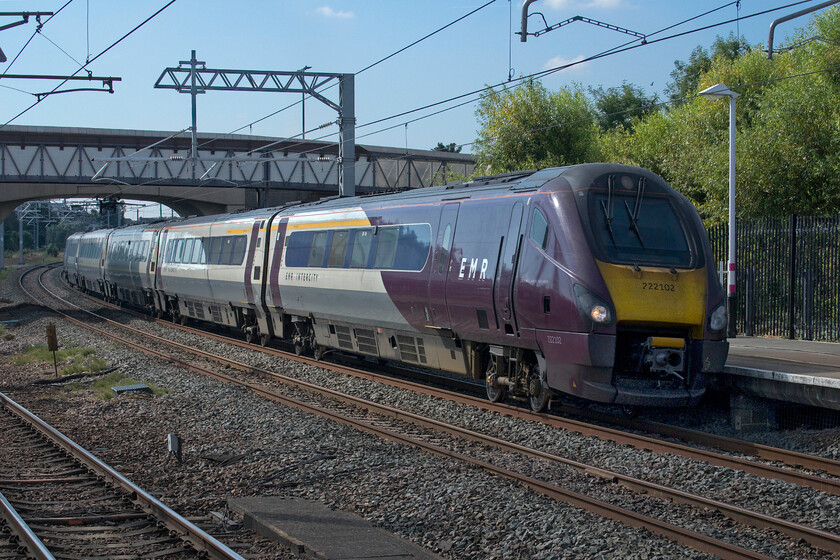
(790, 356)
(314, 530)
(798, 371)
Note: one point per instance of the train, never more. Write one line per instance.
(586, 283)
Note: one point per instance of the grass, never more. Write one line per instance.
(102, 387)
(41, 354)
(30, 257)
(70, 360)
(5, 334)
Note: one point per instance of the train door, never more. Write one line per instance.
(503, 285)
(436, 312)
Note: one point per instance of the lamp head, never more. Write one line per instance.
(718, 91)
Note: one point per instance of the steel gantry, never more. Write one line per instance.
(191, 76)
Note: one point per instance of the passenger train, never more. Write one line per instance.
(591, 282)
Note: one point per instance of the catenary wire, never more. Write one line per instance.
(538, 75)
(547, 72)
(20, 52)
(111, 46)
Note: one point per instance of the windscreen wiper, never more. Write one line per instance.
(608, 207)
(637, 207)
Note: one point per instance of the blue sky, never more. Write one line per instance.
(344, 36)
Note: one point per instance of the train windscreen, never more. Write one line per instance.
(639, 230)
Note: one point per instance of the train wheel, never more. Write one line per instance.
(250, 336)
(318, 352)
(629, 410)
(183, 320)
(539, 395)
(264, 339)
(494, 392)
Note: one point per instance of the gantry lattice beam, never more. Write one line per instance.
(233, 172)
(191, 76)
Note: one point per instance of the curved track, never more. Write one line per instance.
(828, 481)
(389, 423)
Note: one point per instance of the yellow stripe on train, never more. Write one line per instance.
(653, 295)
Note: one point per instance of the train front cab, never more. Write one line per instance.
(650, 312)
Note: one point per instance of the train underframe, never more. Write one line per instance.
(636, 367)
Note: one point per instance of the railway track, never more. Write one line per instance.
(53, 491)
(426, 433)
(787, 464)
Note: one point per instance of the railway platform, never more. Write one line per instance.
(793, 371)
(313, 530)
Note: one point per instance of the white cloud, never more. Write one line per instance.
(562, 61)
(582, 4)
(326, 11)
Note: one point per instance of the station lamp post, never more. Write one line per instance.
(717, 92)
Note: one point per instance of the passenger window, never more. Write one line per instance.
(198, 253)
(361, 248)
(240, 243)
(413, 247)
(187, 253)
(215, 255)
(298, 247)
(338, 251)
(386, 247)
(319, 248)
(227, 250)
(539, 229)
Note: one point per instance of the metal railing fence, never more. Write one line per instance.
(788, 276)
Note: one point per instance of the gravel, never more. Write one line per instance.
(237, 444)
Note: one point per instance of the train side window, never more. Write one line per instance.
(227, 250)
(167, 257)
(240, 244)
(362, 240)
(176, 251)
(188, 251)
(386, 248)
(539, 229)
(338, 250)
(298, 247)
(215, 254)
(197, 253)
(319, 249)
(413, 247)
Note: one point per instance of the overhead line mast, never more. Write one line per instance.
(194, 78)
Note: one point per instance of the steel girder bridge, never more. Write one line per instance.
(232, 171)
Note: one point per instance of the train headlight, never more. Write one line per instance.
(592, 307)
(599, 314)
(717, 320)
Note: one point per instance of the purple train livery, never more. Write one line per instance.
(591, 282)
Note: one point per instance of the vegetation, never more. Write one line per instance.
(788, 140)
(102, 388)
(70, 360)
(528, 127)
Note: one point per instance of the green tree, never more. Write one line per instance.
(529, 127)
(686, 75)
(788, 141)
(451, 147)
(622, 106)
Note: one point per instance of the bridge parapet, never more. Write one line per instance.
(232, 171)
